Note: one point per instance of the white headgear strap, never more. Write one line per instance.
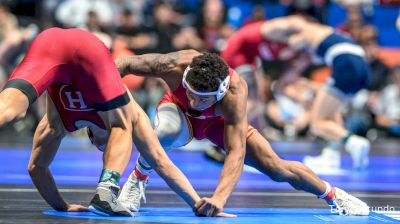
(219, 94)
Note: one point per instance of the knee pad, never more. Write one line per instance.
(172, 126)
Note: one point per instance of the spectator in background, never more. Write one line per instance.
(75, 13)
(120, 49)
(291, 110)
(257, 14)
(93, 22)
(379, 71)
(8, 22)
(94, 25)
(9, 39)
(187, 38)
(359, 118)
(354, 22)
(136, 8)
(137, 37)
(212, 26)
(180, 6)
(310, 8)
(386, 107)
(398, 22)
(165, 26)
(46, 15)
(13, 41)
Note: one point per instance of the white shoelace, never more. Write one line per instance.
(348, 205)
(132, 194)
(141, 190)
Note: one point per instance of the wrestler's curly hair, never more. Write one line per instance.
(206, 73)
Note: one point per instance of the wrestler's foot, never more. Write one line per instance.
(358, 147)
(133, 192)
(346, 204)
(329, 158)
(105, 201)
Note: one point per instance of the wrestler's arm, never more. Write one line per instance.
(282, 28)
(287, 30)
(149, 146)
(47, 139)
(156, 65)
(236, 126)
(274, 29)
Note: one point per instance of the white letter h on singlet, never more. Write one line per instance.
(78, 100)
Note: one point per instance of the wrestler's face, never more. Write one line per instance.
(200, 103)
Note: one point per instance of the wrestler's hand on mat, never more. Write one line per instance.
(77, 208)
(210, 207)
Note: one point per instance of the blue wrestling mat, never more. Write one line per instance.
(77, 172)
(245, 216)
(74, 167)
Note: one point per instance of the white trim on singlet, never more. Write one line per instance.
(342, 48)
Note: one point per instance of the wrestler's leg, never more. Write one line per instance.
(13, 105)
(260, 155)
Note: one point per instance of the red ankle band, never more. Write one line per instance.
(139, 175)
(331, 194)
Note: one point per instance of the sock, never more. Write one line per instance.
(139, 175)
(142, 169)
(346, 138)
(111, 176)
(333, 145)
(329, 192)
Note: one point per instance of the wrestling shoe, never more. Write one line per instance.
(346, 204)
(132, 192)
(329, 158)
(358, 147)
(105, 201)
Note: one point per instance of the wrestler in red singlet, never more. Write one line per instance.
(247, 44)
(78, 82)
(203, 124)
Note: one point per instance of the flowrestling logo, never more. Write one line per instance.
(343, 211)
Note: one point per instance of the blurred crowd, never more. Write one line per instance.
(130, 27)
